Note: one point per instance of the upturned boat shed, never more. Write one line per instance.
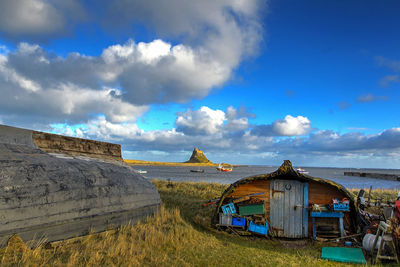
(287, 204)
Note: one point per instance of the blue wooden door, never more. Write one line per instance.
(288, 217)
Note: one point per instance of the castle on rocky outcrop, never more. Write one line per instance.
(198, 157)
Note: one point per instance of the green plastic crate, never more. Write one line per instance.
(351, 255)
(251, 209)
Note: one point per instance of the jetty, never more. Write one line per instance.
(385, 176)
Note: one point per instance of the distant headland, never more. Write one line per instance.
(197, 159)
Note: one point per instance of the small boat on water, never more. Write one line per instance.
(198, 170)
(223, 167)
(303, 171)
(141, 171)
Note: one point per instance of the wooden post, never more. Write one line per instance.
(369, 194)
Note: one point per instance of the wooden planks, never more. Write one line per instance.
(323, 193)
(318, 193)
(255, 187)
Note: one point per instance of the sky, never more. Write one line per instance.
(246, 81)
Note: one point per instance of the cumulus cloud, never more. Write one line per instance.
(38, 19)
(228, 29)
(48, 92)
(129, 135)
(355, 142)
(206, 128)
(213, 122)
(173, 141)
(77, 85)
(201, 121)
(209, 39)
(289, 126)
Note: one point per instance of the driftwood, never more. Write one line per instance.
(241, 199)
(337, 238)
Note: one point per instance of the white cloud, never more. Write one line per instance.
(153, 52)
(201, 121)
(104, 129)
(327, 141)
(13, 77)
(292, 126)
(209, 39)
(54, 101)
(156, 72)
(289, 126)
(228, 29)
(237, 120)
(239, 124)
(324, 144)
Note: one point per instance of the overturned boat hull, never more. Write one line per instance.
(58, 196)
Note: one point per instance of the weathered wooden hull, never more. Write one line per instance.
(58, 197)
(286, 196)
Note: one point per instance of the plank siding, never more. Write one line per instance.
(323, 194)
(255, 187)
(318, 194)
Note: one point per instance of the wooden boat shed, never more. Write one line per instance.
(287, 198)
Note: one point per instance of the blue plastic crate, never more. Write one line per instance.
(341, 207)
(238, 221)
(258, 228)
(228, 209)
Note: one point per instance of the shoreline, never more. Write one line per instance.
(159, 163)
(181, 164)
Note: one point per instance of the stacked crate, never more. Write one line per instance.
(247, 216)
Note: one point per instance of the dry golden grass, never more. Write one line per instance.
(158, 163)
(381, 195)
(179, 235)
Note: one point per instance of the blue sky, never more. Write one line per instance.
(248, 82)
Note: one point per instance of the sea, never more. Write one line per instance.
(210, 174)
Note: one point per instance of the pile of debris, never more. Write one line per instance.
(245, 215)
(380, 227)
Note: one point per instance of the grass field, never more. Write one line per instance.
(180, 235)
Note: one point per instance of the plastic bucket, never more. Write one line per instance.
(368, 242)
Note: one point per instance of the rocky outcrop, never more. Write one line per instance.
(198, 157)
(58, 144)
(57, 196)
(53, 143)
